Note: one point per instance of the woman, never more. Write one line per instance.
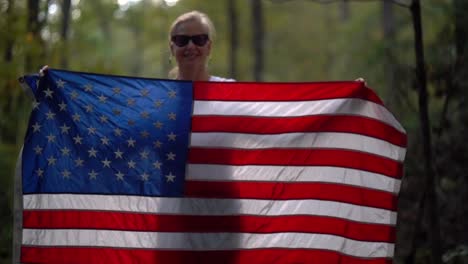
(190, 40)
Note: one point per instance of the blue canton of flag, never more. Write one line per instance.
(101, 134)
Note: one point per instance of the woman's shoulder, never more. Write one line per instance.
(220, 79)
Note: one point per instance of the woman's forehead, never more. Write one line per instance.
(192, 26)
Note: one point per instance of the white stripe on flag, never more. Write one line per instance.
(299, 140)
(195, 206)
(204, 241)
(356, 107)
(211, 172)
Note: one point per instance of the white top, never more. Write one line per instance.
(220, 79)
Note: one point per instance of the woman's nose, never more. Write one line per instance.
(190, 44)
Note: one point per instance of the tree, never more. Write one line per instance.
(10, 20)
(257, 39)
(233, 37)
(345, 12)
(36, 48)
(64, 32)
(431, 198)
(388, 25)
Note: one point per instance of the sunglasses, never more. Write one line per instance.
(182, 40)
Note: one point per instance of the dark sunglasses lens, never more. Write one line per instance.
(200, 40)
(180, 40)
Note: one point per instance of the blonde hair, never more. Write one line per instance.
(191, 16)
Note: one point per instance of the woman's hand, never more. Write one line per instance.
(360, 79)
(43, 70)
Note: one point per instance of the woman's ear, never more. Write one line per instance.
(171, 48)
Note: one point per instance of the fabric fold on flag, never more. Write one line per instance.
(121, 169)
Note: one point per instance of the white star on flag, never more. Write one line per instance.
(172, 116)
(170, 177)
(130, 101)
(63, 106)
(145, 134)
(120, 176)
(79, 162)
(131, 142)
(61, 84)
(50, 138)
(102, 98)
(144, 176)
(35, 105)
(106, 163)
(65, 129)
(144, 154)
(51, 160)
(65, 151)
(40, 172)
(158, 124)
(131, 164)
(38, 150)
(66, 174)
(91, 130)
(172, 136)
(74, 95)
(157, 165)
(157, 144)
(105, 141)
(172, 94)
(116, 90)
(89, 108)
(158, 103)
(118, 132)
(36, 127)
(92, 153)
(48, 93)
(88, 87)
(118, 154)
(171, 156)
(50, 115)
(76, 117)
(103, 119)
(144, 114)
(77, 139)
(144, 92)
(92, 174)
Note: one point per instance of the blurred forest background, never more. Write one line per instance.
(276, 40)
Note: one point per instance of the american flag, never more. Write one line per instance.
(135, 170)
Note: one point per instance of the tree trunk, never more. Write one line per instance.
(33, 29)
(345, 12)
(66, 10)
(388, 24)
(138, 53)
(431, 198)
(460, 87)
(233, 38)
(104, 25)
(330, 28)
(10, 36)
(257, 39)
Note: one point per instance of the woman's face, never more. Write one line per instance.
(191, 54)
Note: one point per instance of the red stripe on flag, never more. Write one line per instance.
(297, 157)
(63, 219)
(284, 191)
(323, 123)
(282, 91)
(114, 255)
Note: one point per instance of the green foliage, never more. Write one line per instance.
(7, 166)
